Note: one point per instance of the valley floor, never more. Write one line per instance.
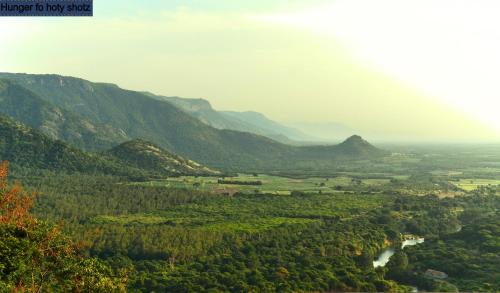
(289, 232)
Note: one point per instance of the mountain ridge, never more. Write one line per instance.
(233, 120)
(29, 148)
(148, 156)
(25, 106)
(268, 126)
(138, 115)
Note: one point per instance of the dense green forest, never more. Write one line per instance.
(188, 240)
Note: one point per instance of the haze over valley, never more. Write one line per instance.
(252, 146)
(306, 62)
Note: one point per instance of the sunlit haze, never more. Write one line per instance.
(389, 69)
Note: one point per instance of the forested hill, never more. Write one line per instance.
(29, 148)
(137, 115)
(148, 156)
(353, 147)
(55, 122)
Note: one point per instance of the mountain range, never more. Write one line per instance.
(248, 121)
(98, 116)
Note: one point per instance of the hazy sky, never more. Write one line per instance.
(420, 69)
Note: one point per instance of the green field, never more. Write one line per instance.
(206, 222)
(472, 184)
(270, 184)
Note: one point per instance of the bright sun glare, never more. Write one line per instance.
(11, 30)
(447, 49)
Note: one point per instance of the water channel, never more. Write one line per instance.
(386, 254)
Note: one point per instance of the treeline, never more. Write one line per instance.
(239, 182)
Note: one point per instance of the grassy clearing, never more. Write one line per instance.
(270, 184)
(203, 222)
(255, 225)
(130, 219)
(472, 184)
(446, 173)
(375, 181)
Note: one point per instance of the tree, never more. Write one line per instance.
(398, 262)
(365, 260)
(36, 257)
(282, 273)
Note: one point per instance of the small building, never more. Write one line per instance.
(409, 237)
(433, 274)
(412, 237)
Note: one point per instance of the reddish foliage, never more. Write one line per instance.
(14, 203)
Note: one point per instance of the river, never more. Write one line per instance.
(386, 254)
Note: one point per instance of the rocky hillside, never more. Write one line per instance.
(148, 156)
